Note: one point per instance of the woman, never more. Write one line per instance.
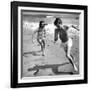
(41, 35)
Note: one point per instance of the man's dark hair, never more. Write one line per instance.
(57, 20)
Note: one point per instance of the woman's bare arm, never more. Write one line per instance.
(34, 34)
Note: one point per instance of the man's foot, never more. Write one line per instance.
(75, 68)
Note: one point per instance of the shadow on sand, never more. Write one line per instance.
(54, 68)
(34, 53)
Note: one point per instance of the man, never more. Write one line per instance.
(41, 35)
(67, 42)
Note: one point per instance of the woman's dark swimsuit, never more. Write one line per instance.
(41, 34)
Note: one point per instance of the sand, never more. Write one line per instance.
(53, 63)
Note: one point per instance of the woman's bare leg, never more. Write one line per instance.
(43, 47)
(42, 44)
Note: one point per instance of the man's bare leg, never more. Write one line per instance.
(70, 58)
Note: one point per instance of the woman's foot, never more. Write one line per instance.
(43, 54)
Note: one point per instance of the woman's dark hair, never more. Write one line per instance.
(40, 23)
(57, 20)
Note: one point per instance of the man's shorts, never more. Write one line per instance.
(69, 43)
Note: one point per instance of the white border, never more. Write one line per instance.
(52, 78)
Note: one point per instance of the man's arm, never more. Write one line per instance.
(55, 35)
(75, 27)
(65, 27)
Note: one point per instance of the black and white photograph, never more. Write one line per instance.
(50, 44)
